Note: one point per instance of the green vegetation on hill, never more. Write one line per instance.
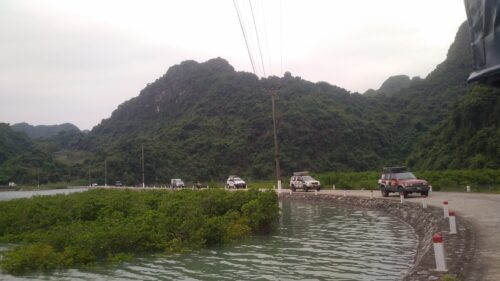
(204, 121)
(43, 131)
(468, 138)
(108, 225)
(392, 85)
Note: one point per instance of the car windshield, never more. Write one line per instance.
(237, 179)
(307, 178)
(405, 176)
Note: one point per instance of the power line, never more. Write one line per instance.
(266, 39)
(281, 37)
(258, 41)
(245, 37)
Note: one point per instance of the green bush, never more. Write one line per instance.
(111, 225)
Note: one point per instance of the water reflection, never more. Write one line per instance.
(313, 242)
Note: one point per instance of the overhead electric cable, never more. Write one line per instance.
(245, 37)
(258, 41)
(281, 37)
(266, 39)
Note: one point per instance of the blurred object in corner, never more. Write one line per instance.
(483, 17)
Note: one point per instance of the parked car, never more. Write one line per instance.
(401, 180)
(235, 182)
(176, 183)
(302, 180)
(12, 184)
(118, 183)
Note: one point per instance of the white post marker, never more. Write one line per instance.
(424, 202)
(468, 188)
(290, 191)
(315, 192)
(453, 224)
(430, 189)
(333, 187)
(279, 186)
(445, 209)
(371, 194)
(345, 193)
(401, 198)
(439, 252)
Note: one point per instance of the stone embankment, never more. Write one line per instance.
(460, 248)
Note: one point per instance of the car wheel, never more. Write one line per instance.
(293, 188)
(317, 189)
(424, 193)
(384, 191)
(306, 189)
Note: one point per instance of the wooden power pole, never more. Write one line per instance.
(276, 147)
(143, 184)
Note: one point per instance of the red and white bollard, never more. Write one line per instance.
(453, 223)
(401, 198)
(424, 202)
(439, 252)
(345, 193)
(371, 194)
(445, 209)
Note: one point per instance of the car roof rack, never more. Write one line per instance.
(399, 169)
(303, 173)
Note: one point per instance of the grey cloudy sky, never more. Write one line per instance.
(77, 60)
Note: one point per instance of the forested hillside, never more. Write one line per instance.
(204, 121)
(468, 138)
(43, 131)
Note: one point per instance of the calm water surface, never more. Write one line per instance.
(313, 242)
(8, 195)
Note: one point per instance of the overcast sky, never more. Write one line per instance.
(76, 61)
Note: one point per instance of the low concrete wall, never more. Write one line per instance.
(459, 248)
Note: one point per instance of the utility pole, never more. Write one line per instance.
(90, 183)
(276, 147)
(143, 185)
(105, 173)
(38, 178)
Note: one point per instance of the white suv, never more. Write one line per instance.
(235, 182)
(176, 183)
(304, 182)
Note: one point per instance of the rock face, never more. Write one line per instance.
(460, 249)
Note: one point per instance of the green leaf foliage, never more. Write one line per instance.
(111, 225)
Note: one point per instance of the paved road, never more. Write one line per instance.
(482, 210)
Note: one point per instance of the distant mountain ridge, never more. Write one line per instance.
(393, 85)
(43, 131)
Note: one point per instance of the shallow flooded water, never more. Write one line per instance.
(312, 242)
